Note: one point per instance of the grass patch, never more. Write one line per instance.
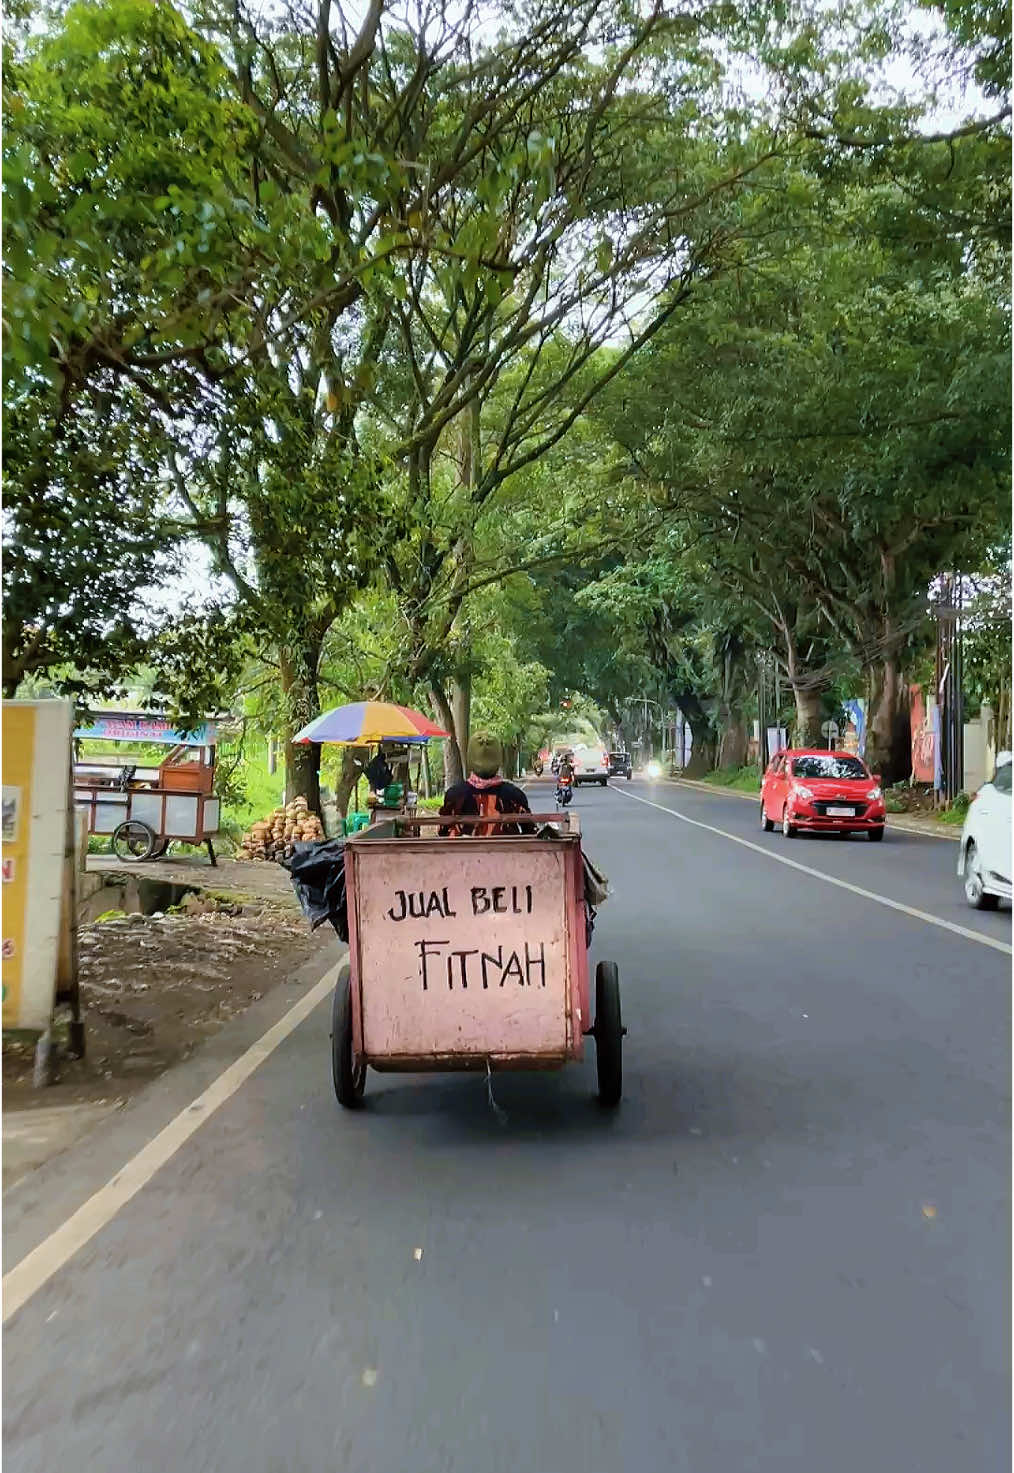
(261, 790)
(954, 815)
(742, 779)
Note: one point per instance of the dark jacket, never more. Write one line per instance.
(464, 798)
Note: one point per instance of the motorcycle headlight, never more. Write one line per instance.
(653, 769)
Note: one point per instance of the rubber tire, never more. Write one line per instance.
(767, 824)
(349, 1080)
(983, 901)
(603, 781)
(120, 829)
(608, 1034)
(875, 836)
(161, 848)
(629, 776)
(788, 829)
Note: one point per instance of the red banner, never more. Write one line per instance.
(923, 738)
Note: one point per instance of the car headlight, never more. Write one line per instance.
(874, 794)
(801, 791)
(653, 769)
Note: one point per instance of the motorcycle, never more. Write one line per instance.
(564, 790)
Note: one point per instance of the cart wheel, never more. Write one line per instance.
(349, 1074)
(160, 848)
(133, 840)
(609, 1031)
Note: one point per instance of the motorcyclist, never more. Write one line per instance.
(565, 779)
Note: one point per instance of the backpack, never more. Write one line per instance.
(487, 808)
(485, 799)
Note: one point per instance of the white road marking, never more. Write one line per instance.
(38, 1266)
(908, 910)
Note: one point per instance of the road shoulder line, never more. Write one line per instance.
(38, 1266)
(909, 910)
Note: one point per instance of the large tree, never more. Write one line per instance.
(836, 428)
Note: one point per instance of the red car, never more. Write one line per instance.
(826, 792)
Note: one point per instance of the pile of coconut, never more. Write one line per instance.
(274, 837)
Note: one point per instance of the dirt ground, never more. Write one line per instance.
(155, 987)
(918, 801)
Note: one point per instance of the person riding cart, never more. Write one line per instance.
(483, 792)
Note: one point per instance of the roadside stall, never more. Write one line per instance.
(144, 806)
(394, 730)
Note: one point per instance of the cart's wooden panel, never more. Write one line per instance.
(463, 948)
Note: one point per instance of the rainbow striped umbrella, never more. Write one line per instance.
(365, 722)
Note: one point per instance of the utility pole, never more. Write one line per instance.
(949, 681)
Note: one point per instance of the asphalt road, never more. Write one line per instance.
(788, 1249)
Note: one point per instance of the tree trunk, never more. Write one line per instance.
(888, 728)
(354, 759)
(454, 770)
(808, 712)
(461, 710)
(733, 744)
(299, 661)
(702, 758)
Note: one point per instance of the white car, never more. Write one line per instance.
(591, 764)
(984, 860)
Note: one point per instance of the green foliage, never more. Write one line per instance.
(249, 792)
(126, 229)
(957, 810)
(536, 361)
(986, 637)
(984, 28)
(84, 538)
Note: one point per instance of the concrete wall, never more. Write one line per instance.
(980, 750)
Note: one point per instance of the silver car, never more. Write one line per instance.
(591, 763)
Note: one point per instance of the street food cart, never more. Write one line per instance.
(146, 806)
(470, 953)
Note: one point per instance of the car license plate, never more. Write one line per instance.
(841, 813)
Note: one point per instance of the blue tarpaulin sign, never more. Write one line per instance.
(131, 726)
(857, 716)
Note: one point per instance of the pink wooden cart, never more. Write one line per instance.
(469, 953)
